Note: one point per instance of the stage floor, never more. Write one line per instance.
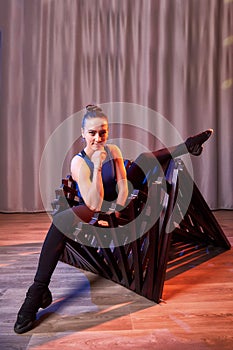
(89, 312)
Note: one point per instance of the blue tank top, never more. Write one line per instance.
(108, 176)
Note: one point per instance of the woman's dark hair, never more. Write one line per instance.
(93, 111)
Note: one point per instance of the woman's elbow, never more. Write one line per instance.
(94, 206)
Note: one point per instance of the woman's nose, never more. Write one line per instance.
(97, 137)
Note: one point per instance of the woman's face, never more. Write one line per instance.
(95, 133)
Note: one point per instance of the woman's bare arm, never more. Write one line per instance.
(92, 191)
(120, 175)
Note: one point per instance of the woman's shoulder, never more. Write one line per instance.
(78, 158)
(78, 162)
(114, 149)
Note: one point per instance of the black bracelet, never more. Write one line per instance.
(119, 207)
(116, 207)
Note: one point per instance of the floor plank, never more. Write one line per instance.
(89, 312)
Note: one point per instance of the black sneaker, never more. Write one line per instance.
(194, 144)
(27, 313)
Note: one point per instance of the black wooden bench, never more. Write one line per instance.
(140, 252)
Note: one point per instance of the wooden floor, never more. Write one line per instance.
(89, 312)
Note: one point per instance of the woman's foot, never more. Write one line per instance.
(35, 298)
(194, 144)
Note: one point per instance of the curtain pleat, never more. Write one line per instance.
(171, 56)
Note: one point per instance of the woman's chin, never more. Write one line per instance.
(98, 146)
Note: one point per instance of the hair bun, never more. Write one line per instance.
(93, 108)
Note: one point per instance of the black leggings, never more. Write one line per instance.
(66, 221)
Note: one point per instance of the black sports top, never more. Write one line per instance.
(108, 177)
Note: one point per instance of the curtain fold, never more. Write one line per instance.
(172, 56)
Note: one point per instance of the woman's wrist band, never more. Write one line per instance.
(119, 207)
(116, 207)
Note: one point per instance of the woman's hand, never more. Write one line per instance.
(98, 157)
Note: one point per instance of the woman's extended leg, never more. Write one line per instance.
(147, 163)
(38, 295)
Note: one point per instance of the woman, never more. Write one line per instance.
(97, 169)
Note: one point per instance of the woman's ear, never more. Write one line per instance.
(82, 132)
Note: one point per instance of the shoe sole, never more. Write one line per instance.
(45, 303)
(24, 329)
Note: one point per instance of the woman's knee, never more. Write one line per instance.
(64, 220)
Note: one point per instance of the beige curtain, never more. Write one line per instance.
(171, 56)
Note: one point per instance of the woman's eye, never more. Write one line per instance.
(102, 133)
